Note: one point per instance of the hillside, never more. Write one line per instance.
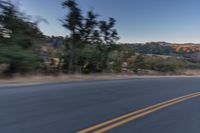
(187, 50)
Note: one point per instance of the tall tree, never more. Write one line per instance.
(139, 63)
(17, 27)
(90, 24)
(72, 22)
(17, 36)
(4, 6)
(86, 30)
(108, 32)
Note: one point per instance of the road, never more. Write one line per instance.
(119, 106)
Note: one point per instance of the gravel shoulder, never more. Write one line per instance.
(32, 80)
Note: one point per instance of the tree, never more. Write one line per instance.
(139, 63)
(86, 30)
(72, 22)
(3, 31)
(19, 60)
(115, 61)
(90, 58)
(18, 34)
(109, 34)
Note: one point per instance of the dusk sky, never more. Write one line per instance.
(137, 20)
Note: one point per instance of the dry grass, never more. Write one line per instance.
(79, 77)
(190, 72)
(61, 78)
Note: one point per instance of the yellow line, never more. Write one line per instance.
(103, 130)
(95, 127)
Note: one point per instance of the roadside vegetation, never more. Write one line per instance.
(90, 47)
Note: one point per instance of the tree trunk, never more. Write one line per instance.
(71, 58)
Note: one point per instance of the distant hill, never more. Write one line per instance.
(187, 50)
(161, 48)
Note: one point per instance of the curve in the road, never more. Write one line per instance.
(113, 123)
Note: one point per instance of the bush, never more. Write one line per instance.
(90, 59)
(20, 60)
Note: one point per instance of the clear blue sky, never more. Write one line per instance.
(137, 20)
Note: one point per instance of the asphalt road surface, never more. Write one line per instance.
(162, 105)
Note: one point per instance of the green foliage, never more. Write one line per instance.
(166, 65)
(139, 63)
(17, 39)
(115, 61)
(90, 57)
(158, 63)
(18, 25)
(95, 58)
(20, 61)
(87, 30)
(159, 48)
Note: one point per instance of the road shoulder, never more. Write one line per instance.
(36, 80)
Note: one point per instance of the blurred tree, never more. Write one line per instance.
(90, 23)
(115, 61)
(108, 33)
(19, 60)
(18, 34)
(90, 58)
(21, 30)
(84, 31)
(72, 22)
(139, 63)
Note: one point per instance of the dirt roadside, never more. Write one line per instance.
(63, 78)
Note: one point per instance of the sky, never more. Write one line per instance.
(175, 21)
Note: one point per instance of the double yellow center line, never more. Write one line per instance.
(113, 123)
